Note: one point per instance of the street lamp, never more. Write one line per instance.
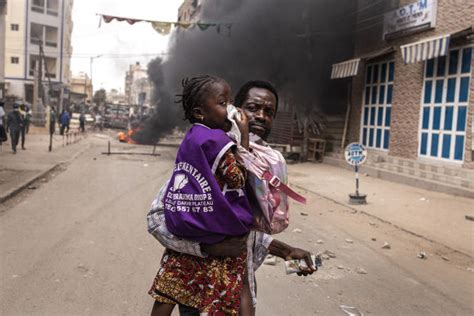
(91, 60)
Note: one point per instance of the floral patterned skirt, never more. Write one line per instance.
(212, 285)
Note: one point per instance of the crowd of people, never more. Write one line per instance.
(15, 125)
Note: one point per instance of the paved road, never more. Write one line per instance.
(78, 246)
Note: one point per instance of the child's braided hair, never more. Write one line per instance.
(194, 92)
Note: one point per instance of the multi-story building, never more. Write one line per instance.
(31, 24)
(3, 12)
(189, 10)
(412, 87)
(138, 88)
(81, 84)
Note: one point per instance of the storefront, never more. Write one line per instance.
(410, 90)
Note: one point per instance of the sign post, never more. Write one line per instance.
(356, 155)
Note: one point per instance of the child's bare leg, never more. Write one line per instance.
(246, 304)
(162, 309)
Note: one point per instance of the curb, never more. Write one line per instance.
(41, 174)
(383, 220)
(22, 186)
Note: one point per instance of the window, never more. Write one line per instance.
(444, 105)
(15, 60)
(37, 6)
(377, 109)
(36, 33)
(43, 34)
(52, 7)
(51, 36)
(34, 59)
(14, 27)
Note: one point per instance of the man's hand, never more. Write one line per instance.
(229, 247)
(287, 252)
(297, 253)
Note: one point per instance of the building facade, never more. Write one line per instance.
(82, 84)
(3, 12)
(189, 10)
(411, 79)
(31, 24)
(138, 88)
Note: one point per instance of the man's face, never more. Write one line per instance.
(260, 108)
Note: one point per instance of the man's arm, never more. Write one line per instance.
(157, 228)
(229, 247)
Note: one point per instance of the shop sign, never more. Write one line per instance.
(413, 17)
(355, 154)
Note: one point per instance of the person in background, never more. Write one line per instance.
(82, 122)
(14, 126)
(24, 115)
(52, 120)
(64, 118)
(3, 133)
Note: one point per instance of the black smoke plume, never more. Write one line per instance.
(291, 43)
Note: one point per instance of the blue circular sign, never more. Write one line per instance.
(355, 154)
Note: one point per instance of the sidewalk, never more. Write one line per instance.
(435, 216)
(20, 170)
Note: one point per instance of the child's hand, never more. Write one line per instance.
(243, 125)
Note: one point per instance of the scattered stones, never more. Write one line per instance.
(145, 165)
(95, 158)
(340, 267)
(325, 257)
(386, 245)
(319, 241)
(15, 276)
(361, 271)
(372, 223)
(470, 269)
(373, 239)
(349, 241)
(366, 174)
(43, 180)
(422, 255)
(304, 214)
(469, 217)
(330, 211)
(297, 230)
(270, 260)
(445, 258)
(329, 253)
(32, 187)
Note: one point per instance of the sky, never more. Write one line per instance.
(119, 44)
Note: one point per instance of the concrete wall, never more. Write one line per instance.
(452, 16)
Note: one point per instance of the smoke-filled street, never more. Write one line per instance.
(78, 245)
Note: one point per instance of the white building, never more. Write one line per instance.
(138, 88)
(3, 12)
(29, 24)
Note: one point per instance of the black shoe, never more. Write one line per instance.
(23, 147)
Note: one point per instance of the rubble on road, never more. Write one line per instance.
(386, 245)
(422, 255)
(270, 260)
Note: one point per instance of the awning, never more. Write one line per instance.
(425, 49)
(345, 69)
(350, 68)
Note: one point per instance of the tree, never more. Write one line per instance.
(100, 97)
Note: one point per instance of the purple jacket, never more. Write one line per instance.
(195, 206)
